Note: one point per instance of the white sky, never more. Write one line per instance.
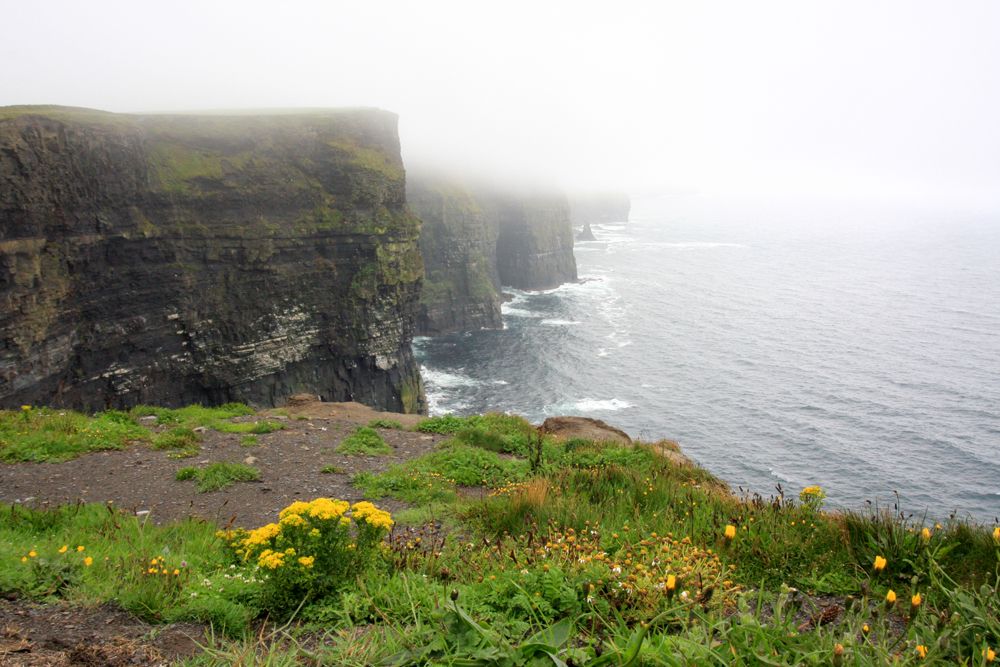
(894, 98)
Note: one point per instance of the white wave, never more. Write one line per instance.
(596, 404)
(500, 382)
(780, 475)
(444, 380)
(561, 323)
(624, 343)
(588, 405)
(602, 352)
(519, 312)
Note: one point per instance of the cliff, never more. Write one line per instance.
(458, 241)
(599, 208)
(179, 259)
(476, 237)
(535, 241)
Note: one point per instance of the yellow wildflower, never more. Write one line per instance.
(80, 548)
(271, 559)
(63, 548)
(306, 561)
(24, 559)
(865, 629)
(325, 508)
(25, 407)
(298, 507)
(730, 532)
(88, 561)
(921, 651)
(890, 597)
(880, 563)
(915, 601)
(925, 534)
(32, 554)
(261, 535)
(314, 532)
(176, 572)
(989, 654)
(292, 520)
(996, 534)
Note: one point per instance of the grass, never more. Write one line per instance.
(596, 554)
(219, 475)
(332, 470)
(364, 440)
(48, 435)
(182, 440)
(43, 434)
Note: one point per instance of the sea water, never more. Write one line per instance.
(857, 348)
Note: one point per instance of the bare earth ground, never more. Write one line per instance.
(141, 479)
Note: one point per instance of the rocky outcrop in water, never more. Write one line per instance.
(178, 259)
(476, 237)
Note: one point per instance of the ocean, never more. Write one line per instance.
(857, 348)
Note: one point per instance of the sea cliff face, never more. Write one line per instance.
(177, 259)
(476, 238)
(458, 240)
(535, 243)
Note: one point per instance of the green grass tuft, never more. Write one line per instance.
(364, 440)
(216, 476)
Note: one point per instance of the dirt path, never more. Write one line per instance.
(142, 480)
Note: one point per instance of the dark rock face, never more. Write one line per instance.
(476, 237)
(535, 243)
(177, 259)
(461, 290)
(599, 208)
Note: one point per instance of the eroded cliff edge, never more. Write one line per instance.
(477, 237)
(178, 259)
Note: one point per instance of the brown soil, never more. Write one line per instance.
(141, 479)
(60, 634)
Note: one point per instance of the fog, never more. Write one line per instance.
(892, 100)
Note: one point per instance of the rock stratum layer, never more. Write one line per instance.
(177, 259)
(476, 238)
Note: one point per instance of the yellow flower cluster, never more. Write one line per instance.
(373, 516)
(261, 535)
(637, 575)
(88, 561)
(813, 491)
(320, 508)
(270, 559)
(158, 565)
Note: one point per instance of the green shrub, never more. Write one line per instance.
(314, 548)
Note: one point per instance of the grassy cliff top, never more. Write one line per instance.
(504, 546)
